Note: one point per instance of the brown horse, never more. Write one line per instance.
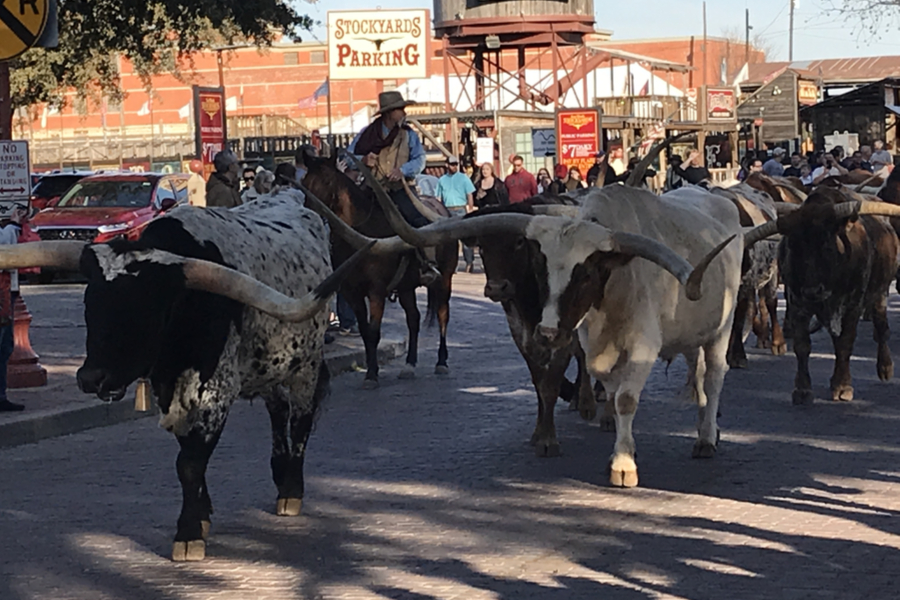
(376, 277)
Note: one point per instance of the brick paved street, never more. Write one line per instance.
(428, 489)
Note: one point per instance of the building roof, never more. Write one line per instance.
(832, 71)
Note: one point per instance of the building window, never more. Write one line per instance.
(317, 57)
(291, 58)
(525, 149)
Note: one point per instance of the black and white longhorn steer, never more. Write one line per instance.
(837, 258)
(212, 305)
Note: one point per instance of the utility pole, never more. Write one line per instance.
(705, 40)
(747, 29)
(791, 34)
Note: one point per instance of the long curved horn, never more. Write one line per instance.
(420, 206)
(557, 210)
(211, 277)
(64, 255)
(637, 175)
(407, 232)
(644, 247)
(358, 241)
(868, 180)
(761, 232)
(866, 207)
(798, 193)
(785, 208)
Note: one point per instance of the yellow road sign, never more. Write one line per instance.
(21, 24)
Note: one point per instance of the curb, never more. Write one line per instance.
(64, 421)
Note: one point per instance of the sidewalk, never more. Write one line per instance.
(58, 337)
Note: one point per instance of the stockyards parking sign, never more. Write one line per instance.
(378, 44)
(578, 138)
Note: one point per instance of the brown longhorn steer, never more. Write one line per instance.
(517, 278)
(836, 259)
(379, 275)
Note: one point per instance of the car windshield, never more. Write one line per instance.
(87, 194)
(52, 186)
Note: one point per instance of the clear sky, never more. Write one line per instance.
(817, 34)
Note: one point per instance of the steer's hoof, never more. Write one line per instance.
(370, 384)
(589, 413)
(288, 507)
(204, 529)
(779, 349)
(703, 449)
(546, 449)
(407, 372)
(191, 551)
(886, 372)
(441, 370)
(803, 397)
(738, 363)
(607, 423)
(623, 472)
(842, 393)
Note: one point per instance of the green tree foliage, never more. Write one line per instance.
(157, 36)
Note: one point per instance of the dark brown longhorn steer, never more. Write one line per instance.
(517, 278)
(837, 258)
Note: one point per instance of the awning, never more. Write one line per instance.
(655, 63)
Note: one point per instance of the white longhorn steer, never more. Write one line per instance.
(607, 278)
(628, 316)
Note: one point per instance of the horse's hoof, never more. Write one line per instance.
(607, 423)
(886, 372)
(703, 449)
(408, 372)
(288, 507)
(842, 393)
(191, 551)
(779, 349)
(442, 370)
(803, 397)
(370, 384)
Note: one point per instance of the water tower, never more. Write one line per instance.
(494, 42)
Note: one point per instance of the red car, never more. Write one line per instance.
(101, 207)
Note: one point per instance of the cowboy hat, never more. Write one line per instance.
(388, 101)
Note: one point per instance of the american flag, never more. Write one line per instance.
(311, 101)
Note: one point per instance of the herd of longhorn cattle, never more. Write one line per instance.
(230, 303)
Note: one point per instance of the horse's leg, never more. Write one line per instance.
(408, 302)
(376, 313)
(369, 335)
(442, 305)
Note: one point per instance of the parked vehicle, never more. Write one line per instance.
(51, 186)
(101, 207)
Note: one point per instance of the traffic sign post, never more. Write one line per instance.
(15, 176)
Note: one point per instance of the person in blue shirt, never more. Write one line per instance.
(394, 152)
(456, 191)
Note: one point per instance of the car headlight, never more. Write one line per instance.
(115, 227)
